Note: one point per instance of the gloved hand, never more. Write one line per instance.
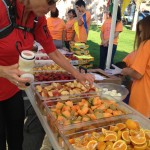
(114, 71)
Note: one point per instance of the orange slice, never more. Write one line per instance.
(140, 147)
(101, 138)
(113, 128)
(139, 133)
(101, 146)
(119, 134)
(137, 140)
(120, 145)
(108, 147)
(125, 136)
(110, 137)
(91, 145)
(132, 125)
(121, 126)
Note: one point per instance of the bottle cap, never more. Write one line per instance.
(26, 54)
(28, 75)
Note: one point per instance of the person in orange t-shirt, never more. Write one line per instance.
(70, 27)
(140, 69)
(105, 34)
(83, 20)
(57, 28)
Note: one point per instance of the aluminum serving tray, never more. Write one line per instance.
(49, 105)
(97, 127)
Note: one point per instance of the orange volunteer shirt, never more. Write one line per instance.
(82, 31)
(140, 92)
(56, 27)
(105, 29)
(129, 59)
(70, 29)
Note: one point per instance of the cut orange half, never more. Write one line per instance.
(125, 136)
(138, 140)
(121, 126)
(140, 147)
(92, 145)
(120, 145)
(110, 137)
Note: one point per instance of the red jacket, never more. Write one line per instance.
(8, 52)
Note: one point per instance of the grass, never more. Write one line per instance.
(125, 45)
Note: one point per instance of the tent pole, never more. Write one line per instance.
(111, 38)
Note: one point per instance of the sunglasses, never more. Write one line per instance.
(51, 2)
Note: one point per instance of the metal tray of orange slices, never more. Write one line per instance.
(131, 132)
(83, 111)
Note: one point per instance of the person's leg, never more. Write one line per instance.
(58, 43)
(103, 56)
(15, 121)
(2, 128)
(67, 45)
(113, 53)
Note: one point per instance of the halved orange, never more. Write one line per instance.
(110, 137)
(113, 128)
(91, 145)
(139, 133)
(147, 134)
(125, 136)
(119, 134)
(95, 135)
(140, 147)
(101, 146)
(120, 145)
(101, 138)
(108, 147)
(137, 140)
(131, 124)
(121, 126)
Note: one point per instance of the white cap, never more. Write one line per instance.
(28, 75)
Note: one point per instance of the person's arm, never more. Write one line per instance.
(104, 42)
(63, 35)
(64, 63)
(116, 34)
(132, 73)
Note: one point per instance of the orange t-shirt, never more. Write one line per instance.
(140, 92)
(56, 27)
(105, 29)
(83, 35)
(70, 29)
(129, 59)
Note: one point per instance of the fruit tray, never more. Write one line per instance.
(53, 75)
(131, 132)
(52, 90)
(80, 111)
(47, 67)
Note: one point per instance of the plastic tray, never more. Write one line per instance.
(65, 96)
(73, 123)
(53, 75)
(97, 127)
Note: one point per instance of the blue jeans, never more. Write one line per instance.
(103, 55)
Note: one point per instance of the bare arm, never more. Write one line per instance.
(64, 63)
(63, 35)
(116, 34)
(132, 73)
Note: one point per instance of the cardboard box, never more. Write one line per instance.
(109, 78)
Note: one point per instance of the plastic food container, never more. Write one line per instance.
(53, 75)
(46, 67)
(53, 90)
(77, 112)
(98, 131)
(113, 91)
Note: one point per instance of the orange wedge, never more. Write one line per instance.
(140, 147)
(120, 145)
(110, 137)
(121, 126)
(91, 145)
(125, 136)
(138, 140)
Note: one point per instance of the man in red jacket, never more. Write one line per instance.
(11, 102)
